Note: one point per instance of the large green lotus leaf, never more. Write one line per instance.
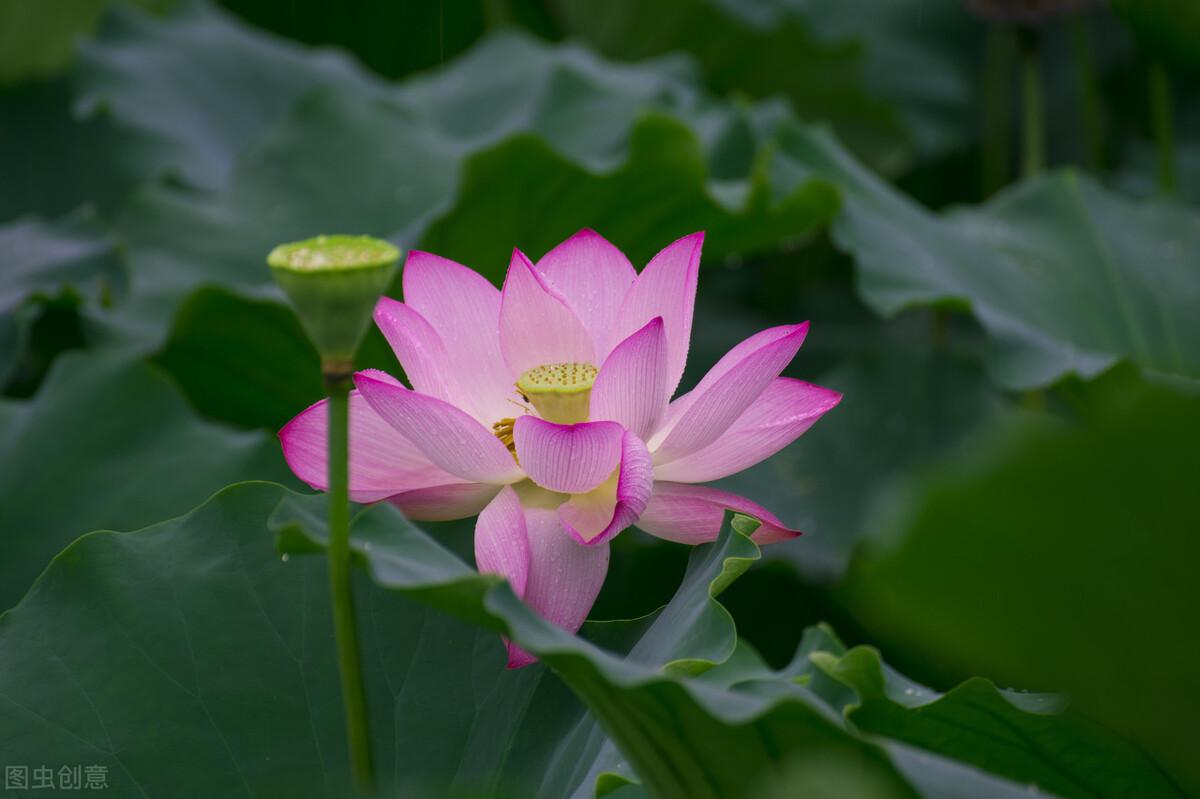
(886, 86)
(1029, 738)
(423, 168)
(391, 167)
(731, 730)
(1067, 276)
(918, 57)
(523, 192)
(55, 162)
(191, 659)
(902, 407)
(196, 88)
(72, 259)
(340, 163)
(242, 360)
(759, 58)
(1059, 557)
(106, 443)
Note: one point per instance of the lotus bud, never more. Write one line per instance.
(333, 283)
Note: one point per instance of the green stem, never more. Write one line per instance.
(1033, 125)
(1164, 127)
(997, 124)
(353, 696)
(1091, 117)
(940, 327)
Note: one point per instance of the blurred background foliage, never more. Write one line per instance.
(1011, 309)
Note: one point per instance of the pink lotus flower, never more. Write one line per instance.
(546, 408)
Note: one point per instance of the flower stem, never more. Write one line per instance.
(1033, 125)
(1090, 111)
(1164, 126)
(354, 700)
(996, 133)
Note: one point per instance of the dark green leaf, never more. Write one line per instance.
(189, 658)
(1060, 557)
(106, 443)
(884, 86)
(902, 407)
(38, 39)
(73, 259)
(245, 361)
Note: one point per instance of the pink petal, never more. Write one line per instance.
(501, 542)
(464, 309)
(571, 458)
(382, 461)
(597, 516)
(442, 503)
(784, 411)
(631, 387)
(593, 276)
(449, 437)
(536, 325)
(564, 577)
(418, 348)
(693, 514)
(701, 416)
(666, 288)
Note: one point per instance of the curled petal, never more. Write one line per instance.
(537, 326)
(571, 458)
(631, 387)
(501, 540)
(446, 502)
(780, 415)
(464, 309)
(698, 418)
(564, 577)
(597, 516)
(448, 437)
(692, 514)
(593, 276)
(666, 288)
(382, 461)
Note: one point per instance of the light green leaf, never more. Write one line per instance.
(196, 89)
(1029, 738)
(1066, 276)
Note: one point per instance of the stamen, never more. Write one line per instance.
(503, 430)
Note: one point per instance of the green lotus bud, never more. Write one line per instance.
(333, 282)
